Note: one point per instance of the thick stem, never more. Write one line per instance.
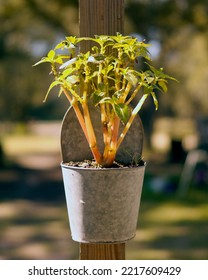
(109, 160)
(115, 130)
(111, 149)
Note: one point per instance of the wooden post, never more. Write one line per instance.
(101, 17)
(102, 251)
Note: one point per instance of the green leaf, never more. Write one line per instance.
(72, 41)
(51, 54)
(106, 100)
(95, 49)
(163, 85)
(68, 63)
(59, 60)
(139, 104)
(122, 111)
(131, 78)
(159, 73)
(52, 85)
(147, 89)
(99, 57)
(43, 60)
(60, 45)
(72, 79)
(101, 86)
(67, 72)
(118, 94)
(60, 91)
(150, 79)
(97, 96)
(155, 100)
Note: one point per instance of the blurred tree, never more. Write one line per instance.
(181, 28)
(178, 30)
(28, 29)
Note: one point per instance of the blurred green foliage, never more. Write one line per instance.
(178, 30)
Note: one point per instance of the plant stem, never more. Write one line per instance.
(111, 148)
(89, 127)
(104, 122)
(77, 111)
(133, 94)
(115, 129)
(126, 92)
(104, 119)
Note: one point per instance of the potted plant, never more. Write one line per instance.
(105, 78)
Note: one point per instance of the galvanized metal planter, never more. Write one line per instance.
(103, 204)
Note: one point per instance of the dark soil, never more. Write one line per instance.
(94, 164)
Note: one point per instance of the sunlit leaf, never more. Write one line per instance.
(72, 79)
(61, 45)
(72, 41)
(92, 59)
(68, 63)
(131, 78)
(51, 54)
(67, 72)
(43, 60)
(150, 79)
(59, 60)
(52, 85)
(163, 85)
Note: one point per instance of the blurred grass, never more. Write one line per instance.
(30, 228)
(15, 145)
(170, 228)
(167, 229)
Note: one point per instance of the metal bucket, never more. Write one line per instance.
(103, 204)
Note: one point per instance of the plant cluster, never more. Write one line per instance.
(105, 76)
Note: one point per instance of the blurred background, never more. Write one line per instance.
(174, 211)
